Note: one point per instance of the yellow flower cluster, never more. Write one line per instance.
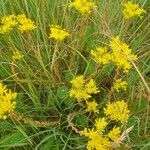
(58, 33)
(101, 55)
(21, 22)
(120, 84)
(92, 107)
(7, 23)
(114, 133)
(100, 124)
(117, 111)
(121, 54)
(83, 6)
(17, 56)
(7, 103)
(97, 138)
(130, 10)
(78, 82)
(81, 90)
(24, 23)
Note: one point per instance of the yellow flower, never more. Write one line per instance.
(117, 111)
(78, 82)
(17, 56)
(100, 143)
(58, 33)
(79, 94)
(81, 90)
(100, 124)
(20, 21)
(24, 23)
(101, 55)
(130, 10)
(96, 140)
(121, 54)
(83, 6)
(92, 107)
(90, 133)
(7, 103)
(120, 84)
(7, 23)
(91, 88)
(114, 134)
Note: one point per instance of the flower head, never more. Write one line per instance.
(114, 134)
(91, 88)
(7, 101)
(92, 107)
(117, 111)
(82, 90)
(83, 6)
(7, 23)
(101, 55)
(120, 84)
(25, 23)
(100, 143)
(100, 124)
(17, 56)
(58, 33)
(121, 54)
(79, 94)
(90, 133)
(96, 140)
(130, 10)
(78, 82)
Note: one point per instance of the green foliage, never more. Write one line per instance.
(15, 139)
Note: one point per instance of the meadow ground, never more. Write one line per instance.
(79, 75)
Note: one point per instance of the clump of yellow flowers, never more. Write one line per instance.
(120, 84)
(117, 111)
(17, 56)
(25, 23)
(82, 90)
(92, 107)
(7, 101)
(21, 22)
(7, 23)
(130, 10)
(101, 138)
(83, 6)
(107, 130)
(114, 133)
(120, 54)
(101, 55)
(58, 33)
